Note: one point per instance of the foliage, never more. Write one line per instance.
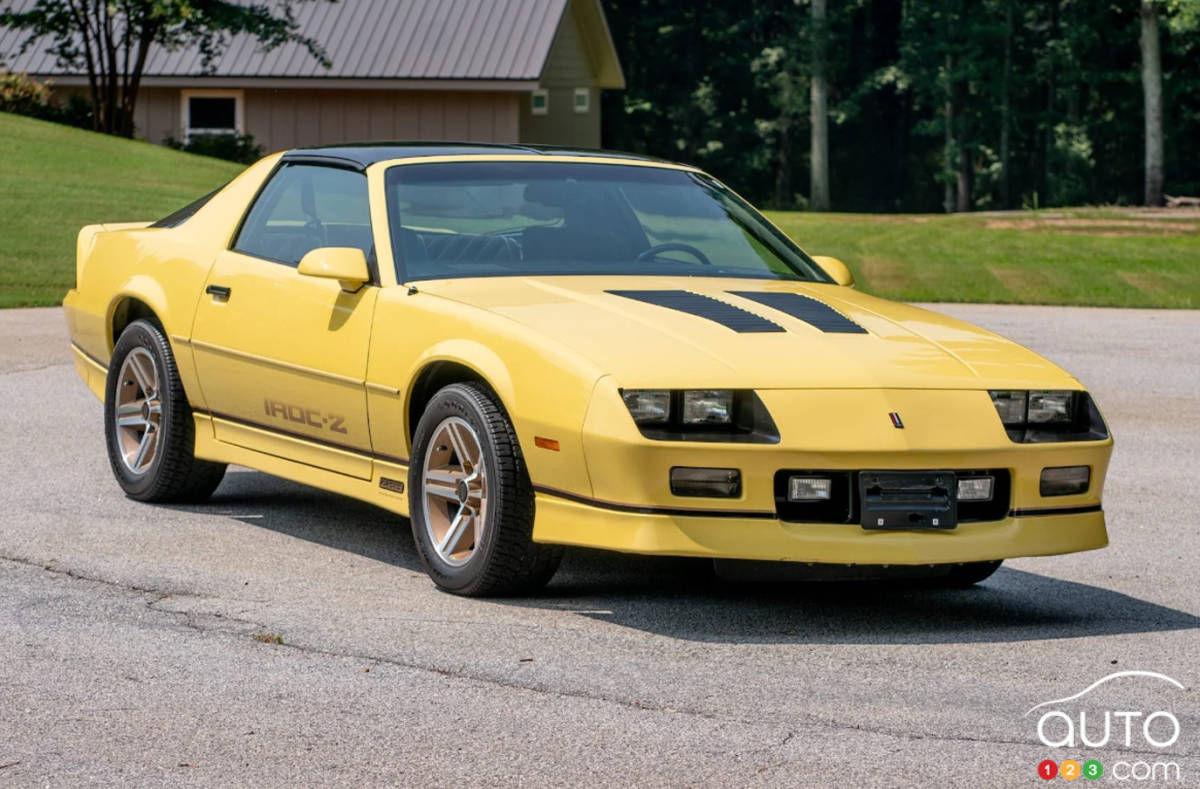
(1045, 103)
(1184, 15)
(23, 95)
(231, 147)
(112, 39)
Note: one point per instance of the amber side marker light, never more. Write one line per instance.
(545, 443)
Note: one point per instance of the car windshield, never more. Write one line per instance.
(489, 219)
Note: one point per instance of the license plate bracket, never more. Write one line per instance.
(895, 500)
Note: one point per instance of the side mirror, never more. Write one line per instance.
(838, 271)
(348, 265)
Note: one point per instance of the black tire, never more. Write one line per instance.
(506, 561)
(175, 474)
(969, 574)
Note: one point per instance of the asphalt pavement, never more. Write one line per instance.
(282, 636)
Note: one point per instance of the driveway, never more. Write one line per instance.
(281, 635)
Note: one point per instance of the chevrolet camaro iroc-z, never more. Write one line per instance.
(524, 348)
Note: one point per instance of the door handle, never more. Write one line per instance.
(219, 291)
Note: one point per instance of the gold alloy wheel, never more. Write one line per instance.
(454, 482)
(138, 412)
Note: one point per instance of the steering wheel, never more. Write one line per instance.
(673, 246)
(317, 230)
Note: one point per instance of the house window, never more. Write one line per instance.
(539, 102)
(583, 100)
(212, 112)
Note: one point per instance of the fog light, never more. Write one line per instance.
(809, 489)
(1065, 480)
(721, 483)
(975, 489)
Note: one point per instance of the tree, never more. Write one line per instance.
(961, 103)
(818, 197)
(112, 39)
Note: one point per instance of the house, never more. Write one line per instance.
(527, 71)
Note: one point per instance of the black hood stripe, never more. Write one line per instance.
(720, 312)
(806, 308)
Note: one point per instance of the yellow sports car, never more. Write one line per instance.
(524, 348)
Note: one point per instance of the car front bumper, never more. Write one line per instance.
(569, 522)
(630, 506)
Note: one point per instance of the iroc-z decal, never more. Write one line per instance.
(305, 416)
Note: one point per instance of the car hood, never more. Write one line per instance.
(644, 344)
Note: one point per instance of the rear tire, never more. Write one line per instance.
(148, 425)
(471, 500)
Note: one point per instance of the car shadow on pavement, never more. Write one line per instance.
(682, 598)
(317, 516)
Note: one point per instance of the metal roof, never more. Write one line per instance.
(364, 155)
(366, 39)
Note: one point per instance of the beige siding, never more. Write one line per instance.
(282, 119)
(157, 114)
(567, 68)
(567, 64)
(155, 117)
(562, 125)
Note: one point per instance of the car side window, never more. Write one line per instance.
(305, 207)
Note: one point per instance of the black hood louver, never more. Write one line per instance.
(701, 306)
(811, 311)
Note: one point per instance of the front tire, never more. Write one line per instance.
(471, 500)
(148, 423)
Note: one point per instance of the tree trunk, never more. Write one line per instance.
(949, 147)
(1050, 105)
(966, 179)
(79, 13)
(1006, 109)
(818, 195)
(784, 198)
(1152, 98)
(133, 82)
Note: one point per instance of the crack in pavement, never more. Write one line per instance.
(812, 723)
(16, 370)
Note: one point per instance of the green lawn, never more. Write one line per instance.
(55, 179)
(1099, 257)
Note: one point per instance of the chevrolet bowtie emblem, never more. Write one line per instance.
(896, 423)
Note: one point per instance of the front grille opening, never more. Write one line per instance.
(843, 504)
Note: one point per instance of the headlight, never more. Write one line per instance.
(736, 415)
(648, 406)
(707, 406)
(1040, 416)
(1051, 407)
(1010, 406)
